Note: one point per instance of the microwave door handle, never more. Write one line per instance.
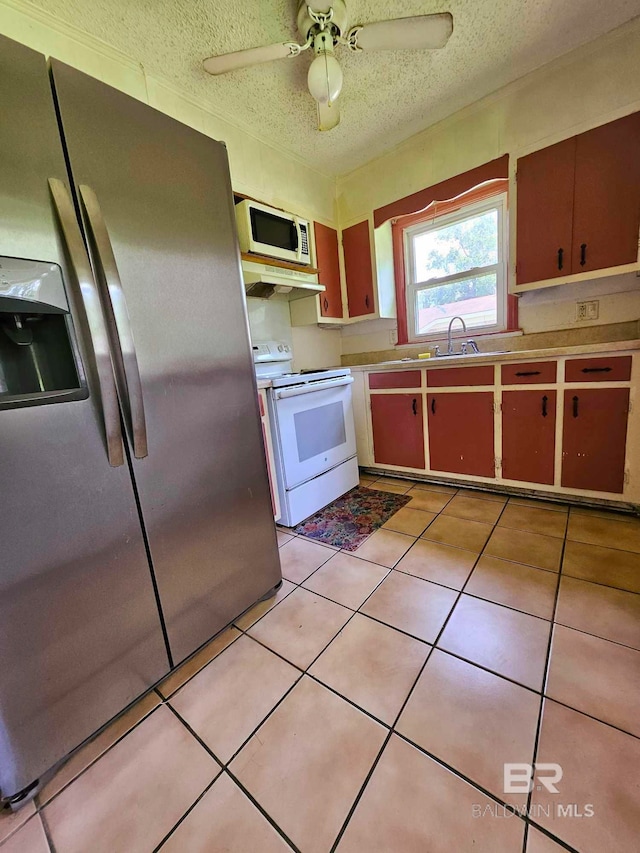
(98, 335)
(299, 235)
(118, 314)
(297, 390)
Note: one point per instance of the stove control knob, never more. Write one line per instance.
(280, 347)
(286, 349)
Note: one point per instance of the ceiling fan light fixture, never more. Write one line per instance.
(325, 78)
(325, 74)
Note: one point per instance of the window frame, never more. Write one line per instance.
(430, 222)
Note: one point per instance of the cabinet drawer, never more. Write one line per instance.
(454, 377)
(531, 373)
(395, 379)
(607, 369)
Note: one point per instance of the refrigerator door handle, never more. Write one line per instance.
(121, 324)
(95, 319)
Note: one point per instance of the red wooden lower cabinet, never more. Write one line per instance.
(529, 435)
(594, 438)
(398, 434)
(461, 433)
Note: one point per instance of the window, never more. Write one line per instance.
(455, 265)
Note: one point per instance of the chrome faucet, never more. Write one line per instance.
(449, 341)
(467, 345)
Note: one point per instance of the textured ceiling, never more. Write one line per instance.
(386, 97)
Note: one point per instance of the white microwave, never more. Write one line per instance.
(268, 231)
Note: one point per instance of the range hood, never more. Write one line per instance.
(263, 281)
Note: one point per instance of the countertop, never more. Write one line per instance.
(491, 358)
(263, 383)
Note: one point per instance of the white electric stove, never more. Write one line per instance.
(311, 416)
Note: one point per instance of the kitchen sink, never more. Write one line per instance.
(470, 354)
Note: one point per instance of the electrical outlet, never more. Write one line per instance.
(587, 310)
(393, 337)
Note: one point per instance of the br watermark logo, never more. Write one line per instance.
(522, 778)
(518, 778)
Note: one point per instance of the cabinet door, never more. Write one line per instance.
(329, 266)
(398, 435)
(461, 433)
(545, 186)
(607, 196)
(356, 244)
(529, 435)
(594, 438)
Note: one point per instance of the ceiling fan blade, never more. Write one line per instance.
(328, 115)
(253, 56)
(421, 32)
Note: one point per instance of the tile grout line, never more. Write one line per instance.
(47, 832)
(187, 813)
(360, 794)
(40, 807)
(224, 768)
(306, 672)
(353, 704)
(545, 675)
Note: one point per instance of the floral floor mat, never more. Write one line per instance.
(348, 521)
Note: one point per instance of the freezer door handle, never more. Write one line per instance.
(313, 386)
(118, 317)
(95, 318)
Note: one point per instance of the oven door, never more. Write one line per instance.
(315, 428)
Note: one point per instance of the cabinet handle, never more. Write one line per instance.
(433, 405)
(545, 399)
(366, 300)
(326, 303)
(528, 373)
(560, 258)
(575, 407)
(596, 369)
(583, 254)
(414, 406)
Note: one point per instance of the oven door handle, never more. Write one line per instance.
(314, 386)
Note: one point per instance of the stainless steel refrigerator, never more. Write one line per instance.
(135, 518)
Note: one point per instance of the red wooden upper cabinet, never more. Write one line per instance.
(398, 432)
(356, 244)
(594, 438)
(607, 196)
(579, 203)
(461, 432)
(529, 435)
(328, 263)
(544, 212)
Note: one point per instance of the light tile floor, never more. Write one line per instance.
(373, 703)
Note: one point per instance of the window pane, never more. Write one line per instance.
(456, 248)
(473, 299)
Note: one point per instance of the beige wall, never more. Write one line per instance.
(590, 86)
(257, 169)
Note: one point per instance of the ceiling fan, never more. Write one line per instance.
(323, 26)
